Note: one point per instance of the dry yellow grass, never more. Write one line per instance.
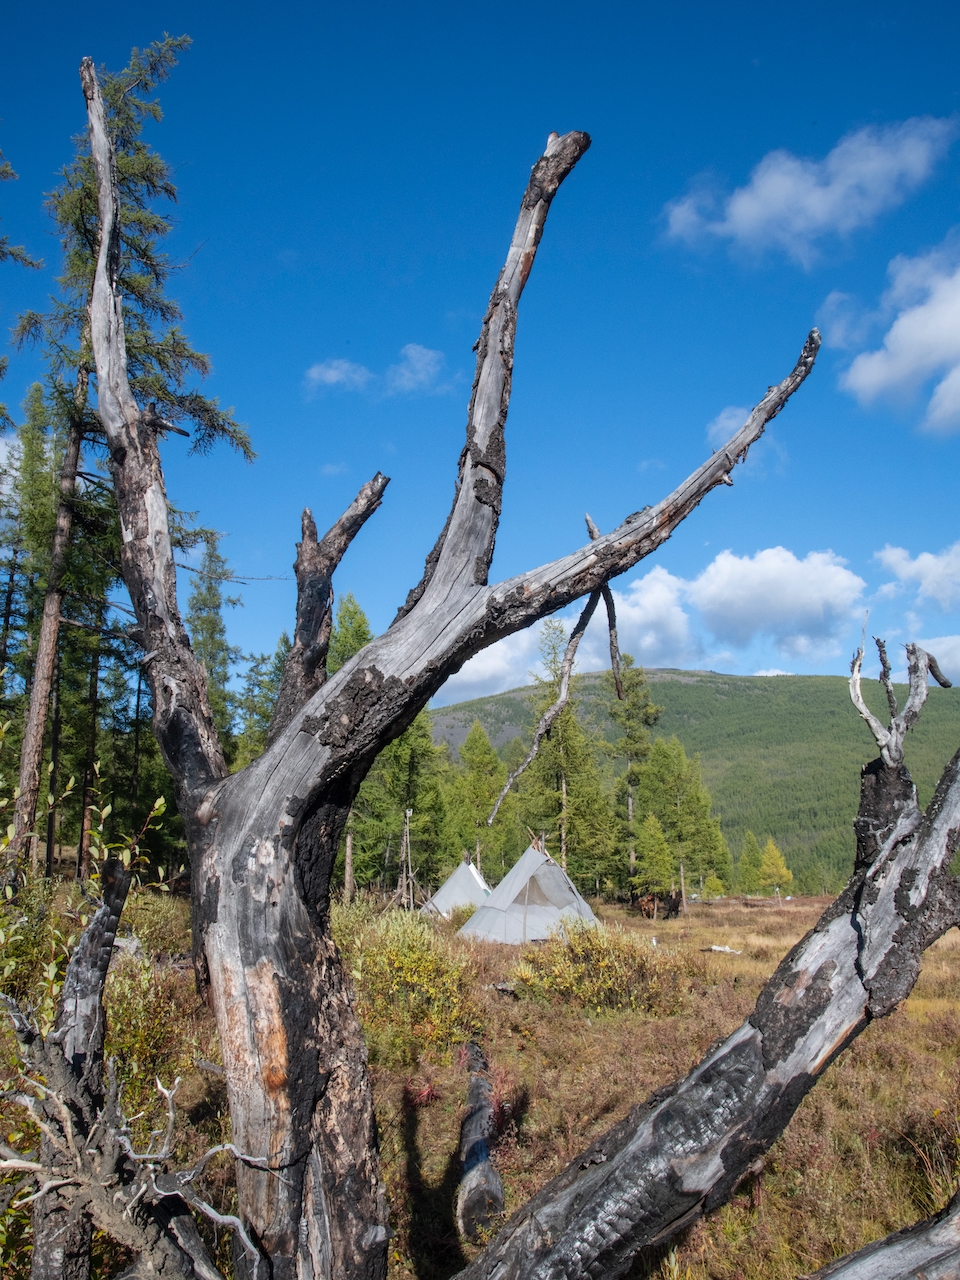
(874, 1147)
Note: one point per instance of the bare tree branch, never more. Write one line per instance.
(563, 693)
(306, 665)
(463, 553)
(594, 533)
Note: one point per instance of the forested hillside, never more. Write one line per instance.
(781, 755)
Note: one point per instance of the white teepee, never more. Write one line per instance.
(465, 887)
(533, 898)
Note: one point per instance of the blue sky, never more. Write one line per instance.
(349, 177)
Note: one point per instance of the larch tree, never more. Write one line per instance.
(748, 865)
(775, 875)
(263, 842)
(160, 361)
(634, 712)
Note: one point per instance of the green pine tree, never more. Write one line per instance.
(256, 701)
(562, 793)
(655, 871)
(208, 636)
(472, 790)
(669, 786)
(351, 633)
(748, 866)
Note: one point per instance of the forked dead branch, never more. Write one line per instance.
(263, 842)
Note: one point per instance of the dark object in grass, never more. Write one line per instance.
(480, 1194)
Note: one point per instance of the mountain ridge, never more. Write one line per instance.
(781, 755)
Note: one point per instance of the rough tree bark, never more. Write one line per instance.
(31, 751)
(263, 842)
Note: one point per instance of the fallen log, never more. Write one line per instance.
(480, 1194)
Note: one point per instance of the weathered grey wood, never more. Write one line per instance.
(306, 666)
(930, 1250)
(480, 1193)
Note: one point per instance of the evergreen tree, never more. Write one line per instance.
(713, 887)
(351, 633)
(748, 867)
(774, 873)
(472, 790)
(670, 787)
(160, 360)
(208, 635)
(407, 774)
(255, 704)
(12, 253)
(562, 792)
(655, 869)
(633, 714)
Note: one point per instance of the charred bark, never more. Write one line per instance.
(306, 666)
(480, 1193)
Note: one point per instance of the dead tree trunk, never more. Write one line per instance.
(263, 841)
(480, 1193)
(31, 751)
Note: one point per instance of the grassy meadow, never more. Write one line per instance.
(594, 1026)
(874, 1146)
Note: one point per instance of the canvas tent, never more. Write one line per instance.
(532, 899)
(466, 887)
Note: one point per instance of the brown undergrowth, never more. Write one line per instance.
(575, 1034)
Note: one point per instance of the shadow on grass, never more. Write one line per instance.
(434, 1241)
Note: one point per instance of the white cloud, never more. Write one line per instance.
(338, 373)
(418, 370)
(505, 665)
(789, 202)
(651, 622)
(937, 575)
(333, 469)
(800, 604)
(773, 671)
(923, 342)
(946, 650)
(725, 424)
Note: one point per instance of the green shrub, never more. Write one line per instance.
(413, 989)
(604, 968)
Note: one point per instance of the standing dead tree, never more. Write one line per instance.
(263, 842)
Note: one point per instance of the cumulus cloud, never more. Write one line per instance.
(652, 623)
(725, 424)
(803, 606)
(773, 671)
(937, 575)
(923, 341)
(417, 370)
(505, 665)
(790, 203)
(338, 373)
(800, 604)
(946, 650)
